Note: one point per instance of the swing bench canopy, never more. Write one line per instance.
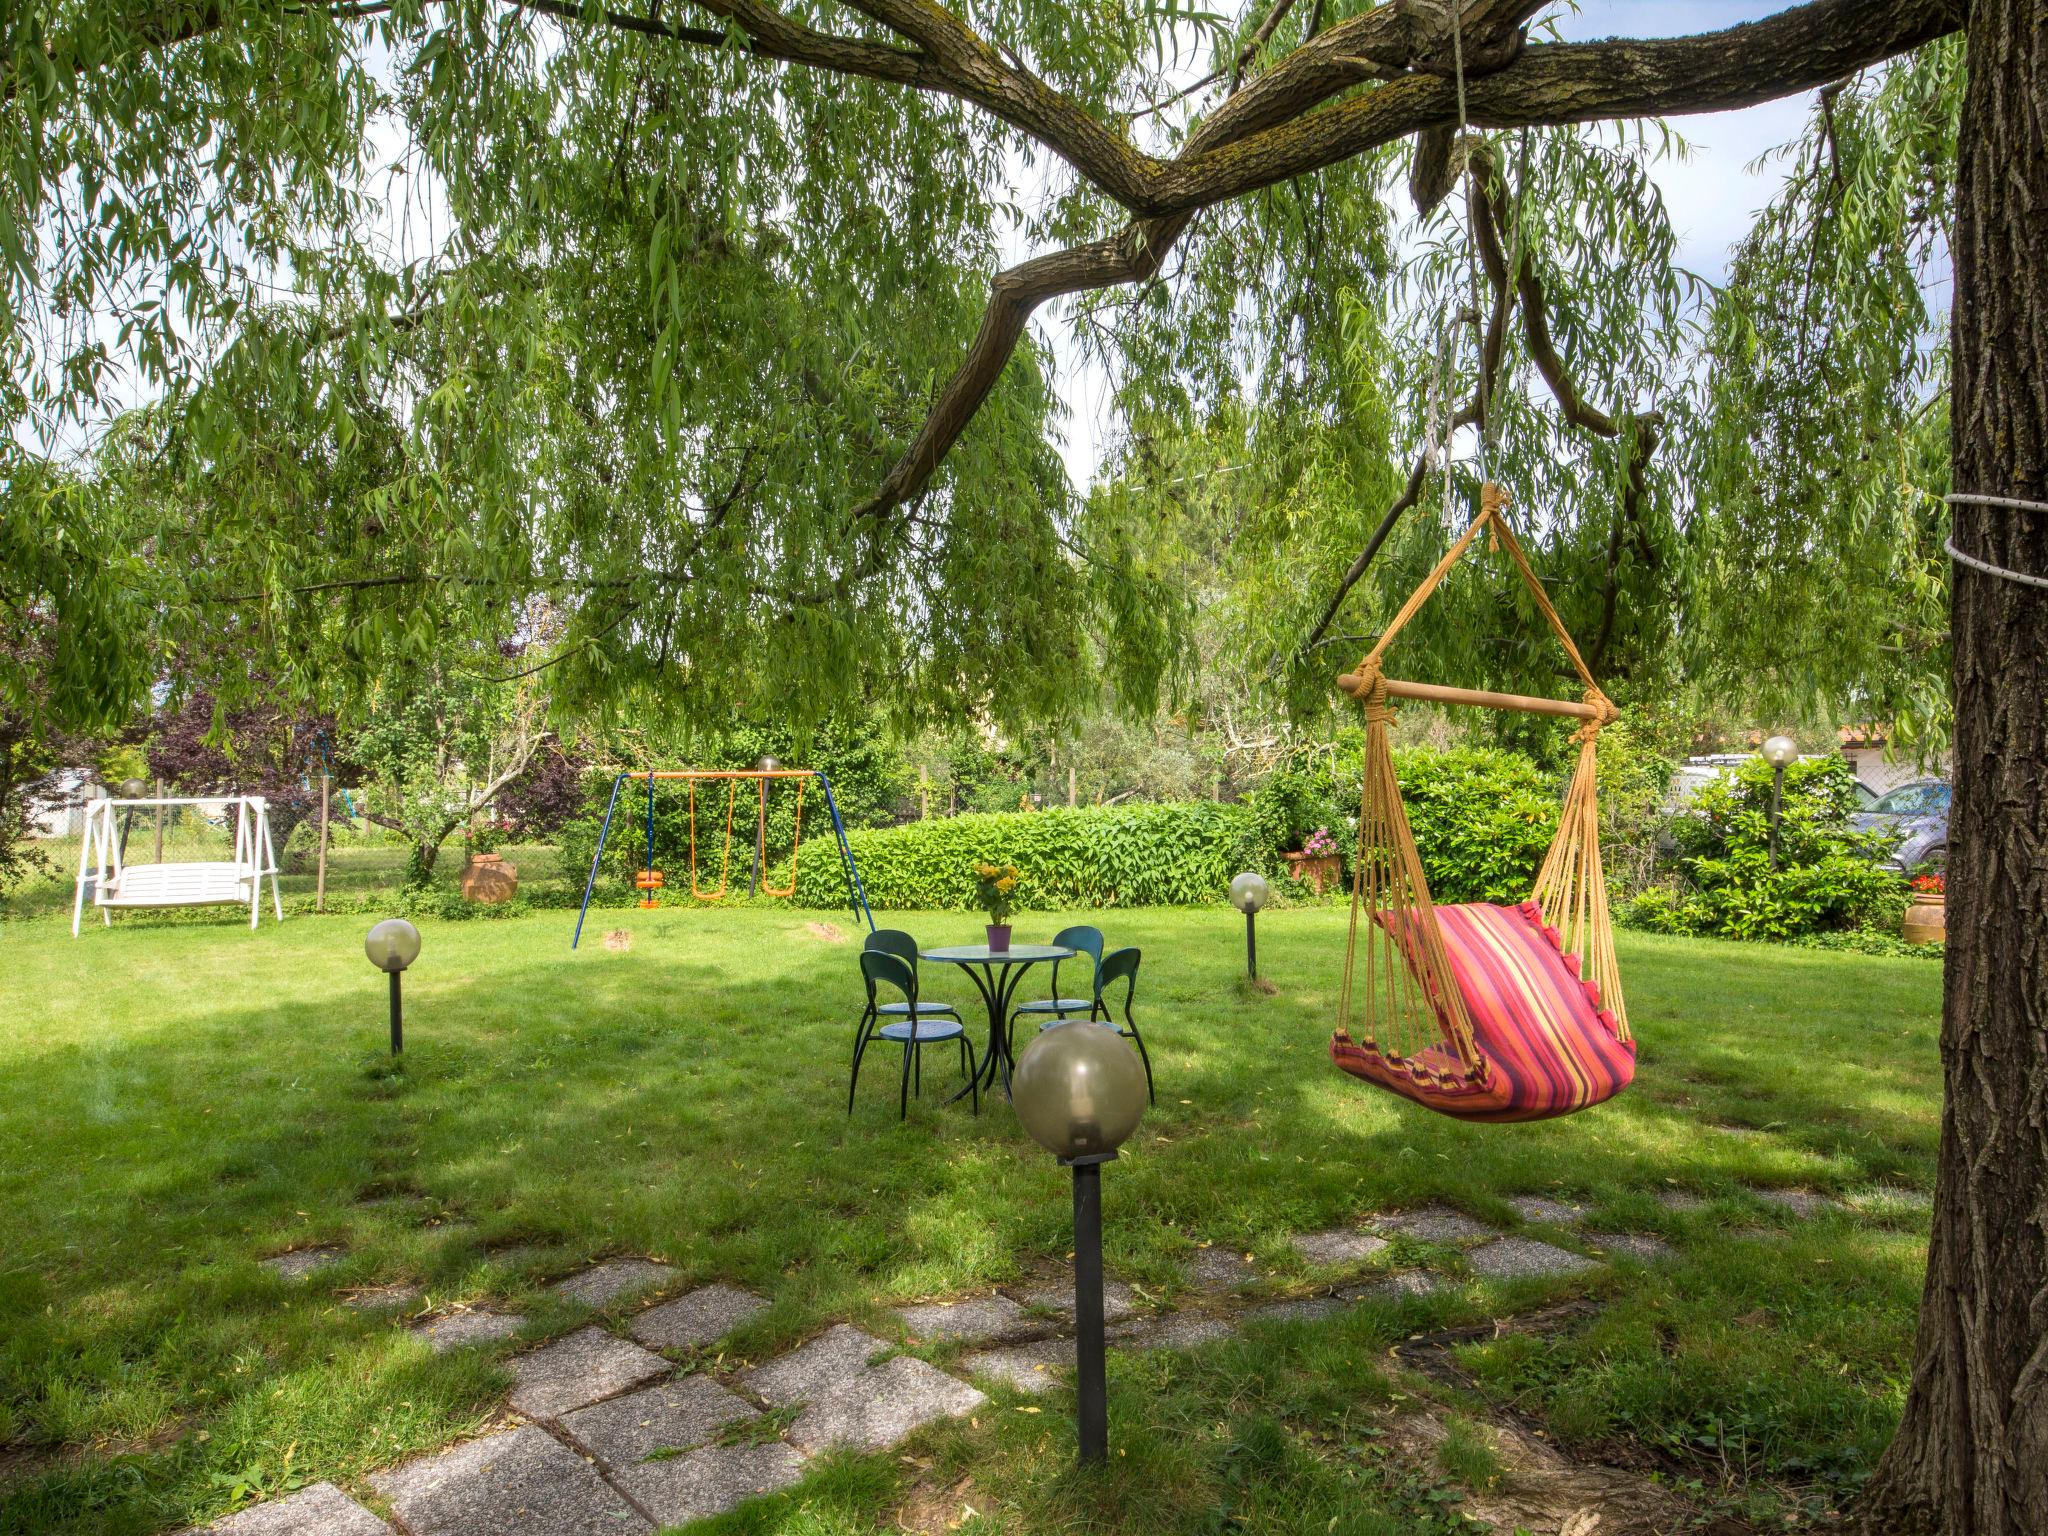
(1482, 1012)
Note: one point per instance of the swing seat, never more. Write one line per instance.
(650, 880)
(1546, 1044)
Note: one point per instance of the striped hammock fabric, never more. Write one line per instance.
(1543, 1041)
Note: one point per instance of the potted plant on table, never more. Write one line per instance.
(1926, 920)
(997, 897)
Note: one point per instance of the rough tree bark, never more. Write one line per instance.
(1971, 1455)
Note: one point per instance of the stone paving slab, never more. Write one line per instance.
(1027, 1367)
(1543, 1208)
(1435, 1224)
(581, 1368)
(521, 1482)
(1803, 1203)
(882, 1405)
(1118, 1302)
(704, 1316)
(1178, 1330)
(321, 1510)
(301, 1262)
(385, 1298)
(1299, 1309)
(710, 1481)
(458, 1330)
(1339, 1246)
(1511, 1258)
(1396, 1287)
(1640, 1246)
(603, 1284)
(677, 1415)
(977, 1320)
(1218, 1268)
(830, 1360)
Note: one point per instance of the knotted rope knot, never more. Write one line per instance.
(1607, 715)
(1372, 693)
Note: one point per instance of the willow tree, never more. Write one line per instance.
(691, 327)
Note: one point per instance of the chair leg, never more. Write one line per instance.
(1144, 1056)
(860, 1049)
(903, 1093)
(917, 1067)
(973, 1076)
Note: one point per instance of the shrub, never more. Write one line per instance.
(1826, 880)
(1482, 819)
(1107, 856)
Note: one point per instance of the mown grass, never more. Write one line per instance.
(178, 1101)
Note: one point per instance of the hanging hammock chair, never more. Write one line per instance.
(1478, 1011)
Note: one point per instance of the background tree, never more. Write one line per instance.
(437, 746)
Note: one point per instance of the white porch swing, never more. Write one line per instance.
(232, 880)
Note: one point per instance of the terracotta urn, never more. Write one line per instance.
(1321, 870)
(487, 878)
(1926, 919)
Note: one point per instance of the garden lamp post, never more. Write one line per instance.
(762, 764)
(1079, 1089)
(393, 945)
(1248, 893)
(1780, 752)
(131, 789)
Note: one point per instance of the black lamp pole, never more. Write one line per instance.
(1777, 799)
(397, 1016)
(1251, 943)
(1091, 1381)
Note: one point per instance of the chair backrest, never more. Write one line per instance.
(1083, 940)
(1121, 965)
(893, 941)
(879, 965)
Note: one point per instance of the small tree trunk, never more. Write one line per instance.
(1971, 1455)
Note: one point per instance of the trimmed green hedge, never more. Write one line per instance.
(1111, 856)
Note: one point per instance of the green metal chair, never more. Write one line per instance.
(894, 941)
(911, 1029)
(1122, 965)
(1086, 942)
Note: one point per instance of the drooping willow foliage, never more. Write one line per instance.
(336, 338)
(1817, 570)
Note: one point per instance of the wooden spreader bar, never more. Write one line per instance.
(1436, 693)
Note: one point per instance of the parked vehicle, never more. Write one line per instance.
(1915, 817)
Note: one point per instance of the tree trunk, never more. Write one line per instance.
(1971, 1456)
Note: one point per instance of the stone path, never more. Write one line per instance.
(615, 1440)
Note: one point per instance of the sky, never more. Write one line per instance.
(1712, 197)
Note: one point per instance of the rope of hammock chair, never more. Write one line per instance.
(1409, 1009)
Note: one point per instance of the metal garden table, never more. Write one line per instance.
(995, 974)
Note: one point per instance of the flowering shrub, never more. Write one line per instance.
(998, 890)
(1319, 844)
(1931, 885)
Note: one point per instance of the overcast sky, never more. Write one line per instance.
(1712, 197)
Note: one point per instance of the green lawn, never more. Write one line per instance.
(178, 1101)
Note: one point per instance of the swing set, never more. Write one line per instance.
(651, 880)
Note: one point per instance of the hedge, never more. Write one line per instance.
(1110, 856)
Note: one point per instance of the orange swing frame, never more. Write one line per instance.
(650, 880)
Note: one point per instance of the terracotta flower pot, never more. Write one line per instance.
(1926, 919)
(487, 878)
(999, 938)
(1321, 870)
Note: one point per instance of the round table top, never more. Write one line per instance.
(979, 954)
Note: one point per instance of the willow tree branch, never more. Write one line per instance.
(1250, 143)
